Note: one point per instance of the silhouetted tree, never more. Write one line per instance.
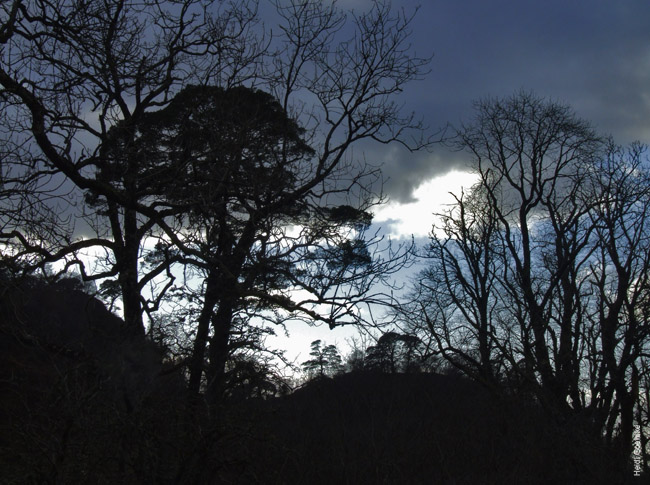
(619, 272)
(325, 362)
(249, 376)
(89, 67)
(83, 80)
(541, 270)
(222, 160)
(395, 352)
(463, 264)
(355, 361)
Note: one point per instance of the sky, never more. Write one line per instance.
(593, 55)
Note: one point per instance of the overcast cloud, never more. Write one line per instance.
(591, 55)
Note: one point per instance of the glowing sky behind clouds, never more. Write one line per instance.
(415, 218)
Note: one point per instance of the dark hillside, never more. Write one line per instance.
(81, 401)
(80, 398)
(419, 428)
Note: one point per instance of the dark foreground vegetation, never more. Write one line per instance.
(421, 428)
(82, 401)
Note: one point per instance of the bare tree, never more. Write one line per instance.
(540, 274)
(619, 273)
(529, 155)
(455, 296)
(85, 78)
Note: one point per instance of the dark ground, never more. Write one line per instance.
(82, 402)
(415, 428)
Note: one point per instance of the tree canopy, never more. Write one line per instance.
(538, 282)
(197, 153)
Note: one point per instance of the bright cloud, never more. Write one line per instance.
(416, 218)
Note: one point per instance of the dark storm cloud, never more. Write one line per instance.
(591, 55)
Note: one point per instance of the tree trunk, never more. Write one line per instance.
(219, 347)
(627, 399)
(485, 369)
(127, 261)
(201, 341)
